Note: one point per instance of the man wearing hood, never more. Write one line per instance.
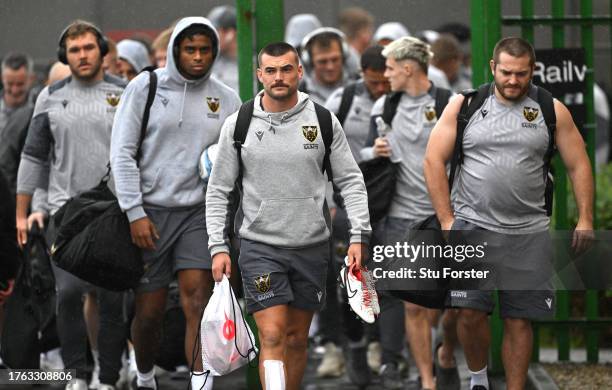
(161, 193)
(284, 225)
(132, 57)
(226, 66)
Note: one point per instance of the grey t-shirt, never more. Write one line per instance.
(501, 183)
(357, 122)
(411, 127)
(67, 146)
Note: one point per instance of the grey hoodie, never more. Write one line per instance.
(186, 117)
(135, 53)
(283, 184)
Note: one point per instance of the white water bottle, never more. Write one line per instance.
(382, 127)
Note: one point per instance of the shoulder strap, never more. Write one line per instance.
(327, 133)
(442, 97)
(348, 94)
(472, 100)
(303, 86)
(147, 111)
(546, 102)
(390, 107)
(243, 121)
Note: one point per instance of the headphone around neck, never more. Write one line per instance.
(102, 41)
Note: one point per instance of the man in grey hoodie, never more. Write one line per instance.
(132, 58)
(284, 225)
(162, 193)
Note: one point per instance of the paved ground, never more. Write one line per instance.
(237, 379)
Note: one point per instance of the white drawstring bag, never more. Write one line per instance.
(227, 341)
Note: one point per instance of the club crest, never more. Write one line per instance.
(213, 103)
(530, 113)
(310, 133)
(112, 99)
(430, 113)
(262, 283)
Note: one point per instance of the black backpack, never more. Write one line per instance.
(379, 174)
(474, 99)
(348, 94)
(93, 235)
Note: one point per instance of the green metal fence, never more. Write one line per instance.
(487, 22)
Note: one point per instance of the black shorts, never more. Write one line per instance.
(519, 258)
(277, 276)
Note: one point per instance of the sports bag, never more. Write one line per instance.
(227, 341)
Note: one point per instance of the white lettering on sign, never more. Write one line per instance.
(566, 73)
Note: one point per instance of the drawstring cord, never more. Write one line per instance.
(183, 104)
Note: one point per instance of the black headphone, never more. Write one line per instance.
(102, 41)
(306, 41)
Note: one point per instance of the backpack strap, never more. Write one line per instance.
(546, 102)
(472, 101)
(243, 121)
(390, 107)
(303, 86)
(348, 94)
(442, 97)
(147, 111)
(327, 133)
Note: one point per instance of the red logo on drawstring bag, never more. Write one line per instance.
(229, 329)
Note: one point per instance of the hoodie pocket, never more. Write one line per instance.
(292, 221)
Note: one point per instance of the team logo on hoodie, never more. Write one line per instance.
(530, 113)
(430, 113)
(213, 103)
(213, 106)
(112, 98)
(310, 133)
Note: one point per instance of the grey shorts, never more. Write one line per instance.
(182, 244)
(519, 258)
(274, 276)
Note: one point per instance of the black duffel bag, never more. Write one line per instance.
(379, 175)
(94, 243)
(430, 293)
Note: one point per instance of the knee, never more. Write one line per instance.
(297, 340)
(470, 318)
(272, 337)
(414, 311)
(149, 317)
(517, 325)
(193, 301)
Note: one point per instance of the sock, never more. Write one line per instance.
(479, 378)
(201, 381)
(96, 357)
(146, 379)
(275, 374)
